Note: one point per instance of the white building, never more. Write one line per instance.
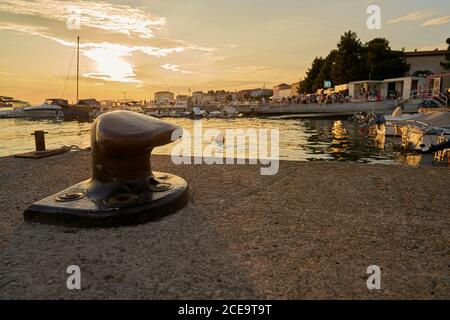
(197, 97)
(402, 87)
(164, 96)
(426, 60)
(375, 90)
(282, 91)
(182, 97)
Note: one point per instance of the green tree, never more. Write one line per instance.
(349, 60)
(446, 64)
(382, 62)
(307, 85)
(353, 61)
(325, 71)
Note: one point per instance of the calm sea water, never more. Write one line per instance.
(301, 140)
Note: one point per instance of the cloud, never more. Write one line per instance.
(101, 15)
(439, 46)
(112, 59)
(34, 30)
(437, 21)
(109, 57)
(175, 68)
(413, 16)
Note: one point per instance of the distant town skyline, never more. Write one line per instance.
(139, 47)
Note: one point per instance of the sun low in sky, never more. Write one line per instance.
(139, 47)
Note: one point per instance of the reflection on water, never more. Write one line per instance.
(303, 140)
(342, 141)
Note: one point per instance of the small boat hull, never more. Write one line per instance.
(12, 113)
(43, 114)
(75, 113)
(415, 138)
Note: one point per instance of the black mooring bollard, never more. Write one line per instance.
(123, 189)
(39, 139)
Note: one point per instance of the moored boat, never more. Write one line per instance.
(12, 108)
(84, 109)
(214, 114)
(44, 111)
(419, 136)
(197, 113)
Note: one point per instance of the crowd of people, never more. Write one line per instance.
(334, 97)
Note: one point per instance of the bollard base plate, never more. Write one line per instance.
(72, 207)
(41, 154)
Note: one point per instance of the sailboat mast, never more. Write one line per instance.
(78, 64)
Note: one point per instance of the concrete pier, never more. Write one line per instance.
(308, 232)
(294, 108)
(338, 108)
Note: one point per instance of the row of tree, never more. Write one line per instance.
(354, 61)
(446, 64)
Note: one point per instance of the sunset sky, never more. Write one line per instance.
(141, 46)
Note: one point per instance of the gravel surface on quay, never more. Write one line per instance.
(308, 232)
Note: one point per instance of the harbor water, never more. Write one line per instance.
(299, 140)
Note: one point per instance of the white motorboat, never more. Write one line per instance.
(214, 114)
(230, 112)
(154, 113)
(419, 135)
(197, 113)
(178, 114)
(9, 112)
(430, 121)
(12, 108)
(44, 111)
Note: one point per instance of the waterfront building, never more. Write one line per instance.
(222, 96)
(281, 91)
(197, 97)
(164, 96)
(439, 83)
(243, 95)
(208, 98)
(426, 61)
(294, 89)
(249, 94)
(362, 91)
(402, 87)
(257, 93)
(182, 97)
(376, 90)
